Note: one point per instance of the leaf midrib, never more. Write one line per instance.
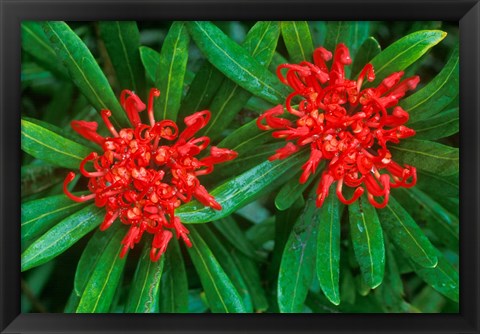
(78, 68)
(279, 94)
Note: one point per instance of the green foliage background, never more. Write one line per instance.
(270, 249)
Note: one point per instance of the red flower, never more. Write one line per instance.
(344, 124)
(147, 171)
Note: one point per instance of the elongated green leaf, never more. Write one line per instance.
(440, 126)
(258, 105)
(246, 138)
(337, 32)
(171, 72)
(298, 40)
(390, 292)
(260, 42)
(229, 228)
(48, 146)
(367, 237)
(122, 41)
(435, 96)
(40, 215)
(36, 178)
(436, 185)
(404, 52)
(328, 248)
(352, 34)
(293, 189)
(426, 210)
(36, 44)
(202, 90)
(297, 268)
(220, 292)
(250, 273)
(406, 235)
(443, 278)
(227, 263)
(367, 51)
(426, 155)
(66, 132)
(319, 32)
(233, 61)
(97, 245)
(62, 100)
(239, 191)
(61, 237)
(104, 279)
(277, 60)
(174, 285)
(144, 297)
(150, 59)
(84, 70)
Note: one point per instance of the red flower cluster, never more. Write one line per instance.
(142, 176)
(344, 124)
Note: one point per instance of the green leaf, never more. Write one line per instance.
(390, 292)
(171, 72)
(367, 237)
(250, 273)
(150, 59)
(40, 215)
(202, 90)
(143, 297)
(235, 62)
(229, 228)
(406, 235)
(83, 68)
(227, 263)
(246, 138)
(319, 32)
(56, 111)
(36, 178)
(293, 189)
(426, 210)
(122, 40)
(404, 52)
(436, 185)
(239, 191)
(443, 278)
(298, 40)
(174, 284)
(298, 261)
(105, 278)
(220, 292)
(367, 51)
(428, 156)
(61, 237)
(437, 94)
(48, 146)
(89, 260)
(36, 44)
(352, 34)
(328, 248)
(260, 42)
(442, 125)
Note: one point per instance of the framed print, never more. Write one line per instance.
(240, 167)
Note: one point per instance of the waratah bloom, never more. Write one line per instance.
(147, 171)
(345, 125)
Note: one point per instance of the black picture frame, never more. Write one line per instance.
(465, 12)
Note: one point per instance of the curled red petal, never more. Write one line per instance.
(88, 130)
